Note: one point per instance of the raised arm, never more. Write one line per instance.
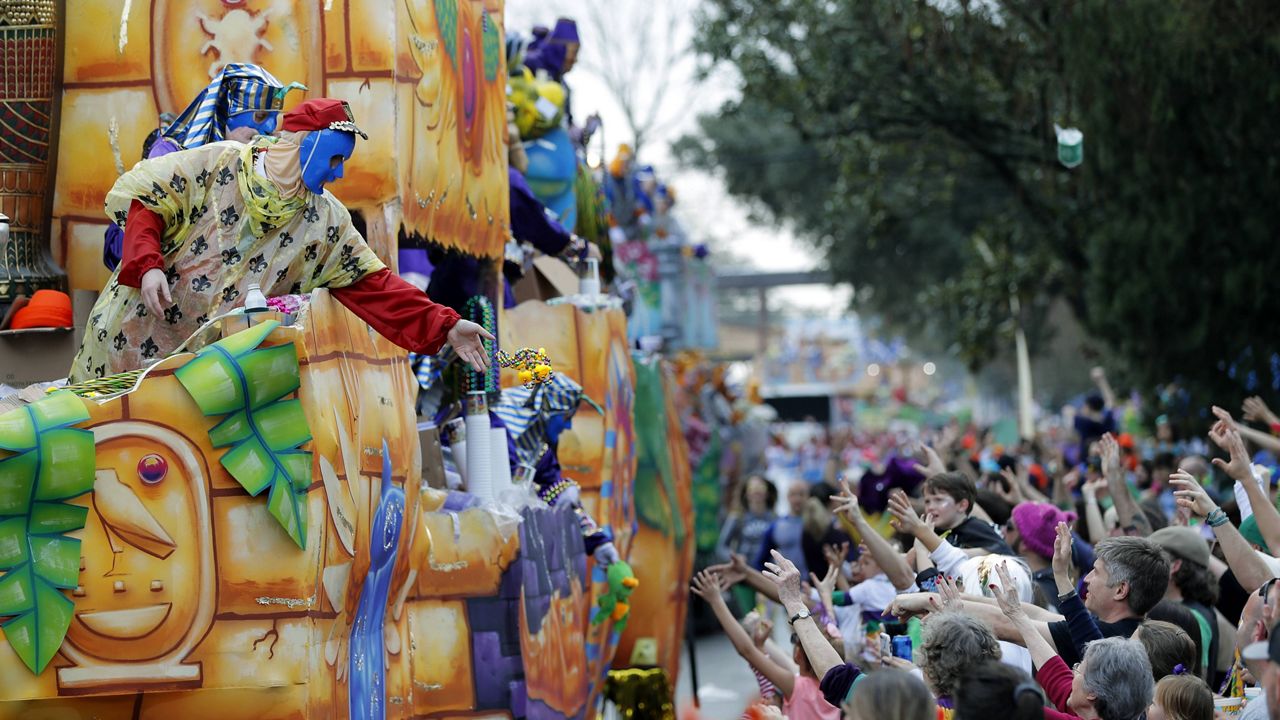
(826, 588)
(1092, 510)
(1255, 410)
(1063, 484)
(1033, 611)
(1261, 439)
(835, 555)
(707, 586)
(1225, 434)
(1250, 570)
(1127, 510)
(907, 521)
(737, 571)
(1080, 623)
(1099, 377)
(822, 656)
(1037, 643)
(890, 560)
(986, 609)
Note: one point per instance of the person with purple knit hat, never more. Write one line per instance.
(1030, 532)
(555, 52)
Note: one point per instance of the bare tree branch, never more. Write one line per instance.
(636, 49)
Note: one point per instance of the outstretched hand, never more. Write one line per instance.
(933, 464)
(827, 585)
(905, 518)
(467, 339)
(1110, 451)
(1255, 410)
(1225, 435)
(848, 503)
(1095, 488)
(948, 598)
(706, 585)
(784, 574)
(762, 631)
(1007, 595)
(909, 605)
(1190, 494)
(836, 554)
(1013, 494)
(732, 572)
(1062, 550)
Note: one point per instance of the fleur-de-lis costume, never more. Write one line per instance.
(222, 226)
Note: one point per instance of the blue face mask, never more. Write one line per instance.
(556, 424)
(262, 121)
(323, 154)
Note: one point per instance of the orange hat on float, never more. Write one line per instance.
(45, 309)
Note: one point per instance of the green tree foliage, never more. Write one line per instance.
(913, 143)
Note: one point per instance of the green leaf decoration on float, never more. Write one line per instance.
(447, 21)
(248, 385)
(44, 461)
(490, 46)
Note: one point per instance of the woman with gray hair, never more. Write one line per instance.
(953, 645)
(1112, 682)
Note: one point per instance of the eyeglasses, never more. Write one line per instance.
(1265, 591)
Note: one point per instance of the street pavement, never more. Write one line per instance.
(725, 681)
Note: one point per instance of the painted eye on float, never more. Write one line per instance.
(152, 469)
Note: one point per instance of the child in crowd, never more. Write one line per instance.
(1181, 697)
(798, 685)
(948, 500)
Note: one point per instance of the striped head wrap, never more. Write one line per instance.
(525, 413)
(238, 87)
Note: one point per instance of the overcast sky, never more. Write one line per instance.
(703, 206)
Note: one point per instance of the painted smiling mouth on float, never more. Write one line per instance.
(129, 624)
(124, 516)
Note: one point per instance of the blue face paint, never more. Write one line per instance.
(262, 121)
(556, 424)
(323, 154)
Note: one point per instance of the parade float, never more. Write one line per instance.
(247, 533)
(263, 528)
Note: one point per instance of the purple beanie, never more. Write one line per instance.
(1037, 523)
(565, 31)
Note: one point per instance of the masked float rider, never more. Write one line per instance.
(241, 102)
(204, 224)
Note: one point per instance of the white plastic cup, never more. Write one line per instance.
(1229, 706)
(590, 283)
(500, 462)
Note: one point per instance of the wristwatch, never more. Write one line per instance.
(799, 616)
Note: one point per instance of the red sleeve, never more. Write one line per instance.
(1055, 677)
(141, 250)
(399, 311)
